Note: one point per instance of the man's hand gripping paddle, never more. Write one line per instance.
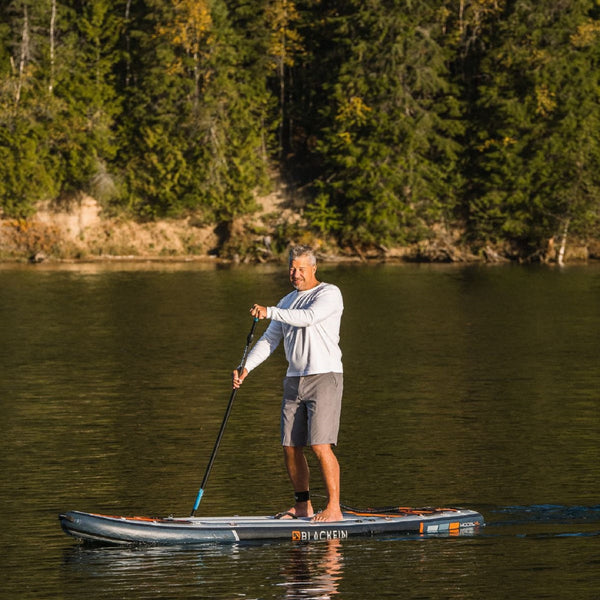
(225, 419)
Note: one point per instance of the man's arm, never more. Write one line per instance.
(265, 346)
(326, 304)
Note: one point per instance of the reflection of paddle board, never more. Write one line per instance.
(200, 530)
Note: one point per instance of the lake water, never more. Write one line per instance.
(467, 386)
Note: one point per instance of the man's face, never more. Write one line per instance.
(303, 273)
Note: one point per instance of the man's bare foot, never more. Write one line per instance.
(301, 509)
(328, 515)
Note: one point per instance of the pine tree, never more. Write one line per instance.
(28, 165)
(195, 119)
(58, 101)
(87, 106)
(391, 149)
(538, 150)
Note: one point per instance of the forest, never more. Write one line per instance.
(395, 121)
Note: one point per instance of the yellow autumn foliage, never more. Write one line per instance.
(586, 35)
(191, 30)
(545, 101)
(284, 42)
(353, 111)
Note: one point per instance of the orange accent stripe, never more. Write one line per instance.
(143, 519)
(405, 512)
(150, 519)
(390, 515)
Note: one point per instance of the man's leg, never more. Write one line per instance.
(330, 470)
(299, 473)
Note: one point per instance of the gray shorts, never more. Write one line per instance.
(310, 410)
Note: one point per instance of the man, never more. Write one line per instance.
(308, 322)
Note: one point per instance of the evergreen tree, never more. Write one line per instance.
(87, 106)
(58, 101)
(28, 166)
(390, 149)
(197, 118)
(401, 116)
(539, 153)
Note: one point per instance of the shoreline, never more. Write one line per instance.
(81, 233)
(212, 261)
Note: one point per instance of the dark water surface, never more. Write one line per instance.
(470, 386)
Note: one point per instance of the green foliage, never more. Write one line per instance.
(59, 104)
(537, 152)
(26, 168)
(392, 144)
(195, 117)
(399, 117)
(322, 216)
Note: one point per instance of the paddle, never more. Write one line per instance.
(225, 419)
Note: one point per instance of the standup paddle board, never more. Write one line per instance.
(200, 530)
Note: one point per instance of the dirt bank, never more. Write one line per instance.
(80, 230)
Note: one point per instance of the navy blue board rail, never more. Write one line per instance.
(199, 530)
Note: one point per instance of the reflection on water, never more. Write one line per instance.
(470, 386)
(297, 572)
(436, 566)
(312, 572)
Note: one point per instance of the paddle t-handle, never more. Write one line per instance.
(225, 419)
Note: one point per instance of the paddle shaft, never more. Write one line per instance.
(225, 419)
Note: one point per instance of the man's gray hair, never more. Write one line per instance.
(298, 251)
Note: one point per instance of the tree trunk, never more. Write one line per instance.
(127, 45)
(24, 55)
(52, 26)
(563, 244)
(281, 97)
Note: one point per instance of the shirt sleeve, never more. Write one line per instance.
(326, 304)
(265, 346)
